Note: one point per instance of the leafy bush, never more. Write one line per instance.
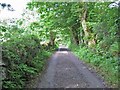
(114, 49)
(24, 57)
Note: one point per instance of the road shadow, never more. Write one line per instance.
(62, 49)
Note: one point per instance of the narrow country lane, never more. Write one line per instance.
(59, 44)
(66, 71)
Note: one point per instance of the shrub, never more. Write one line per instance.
(24, 57)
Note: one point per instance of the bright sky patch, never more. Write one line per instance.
(18, 5)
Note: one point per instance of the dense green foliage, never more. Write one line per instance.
(23, 55)
(24, 58)
(89, 29)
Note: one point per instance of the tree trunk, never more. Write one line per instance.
(74, 36)
(84, 25)
(52, 38)
(89, 42)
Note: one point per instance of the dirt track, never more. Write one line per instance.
(66, 71)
